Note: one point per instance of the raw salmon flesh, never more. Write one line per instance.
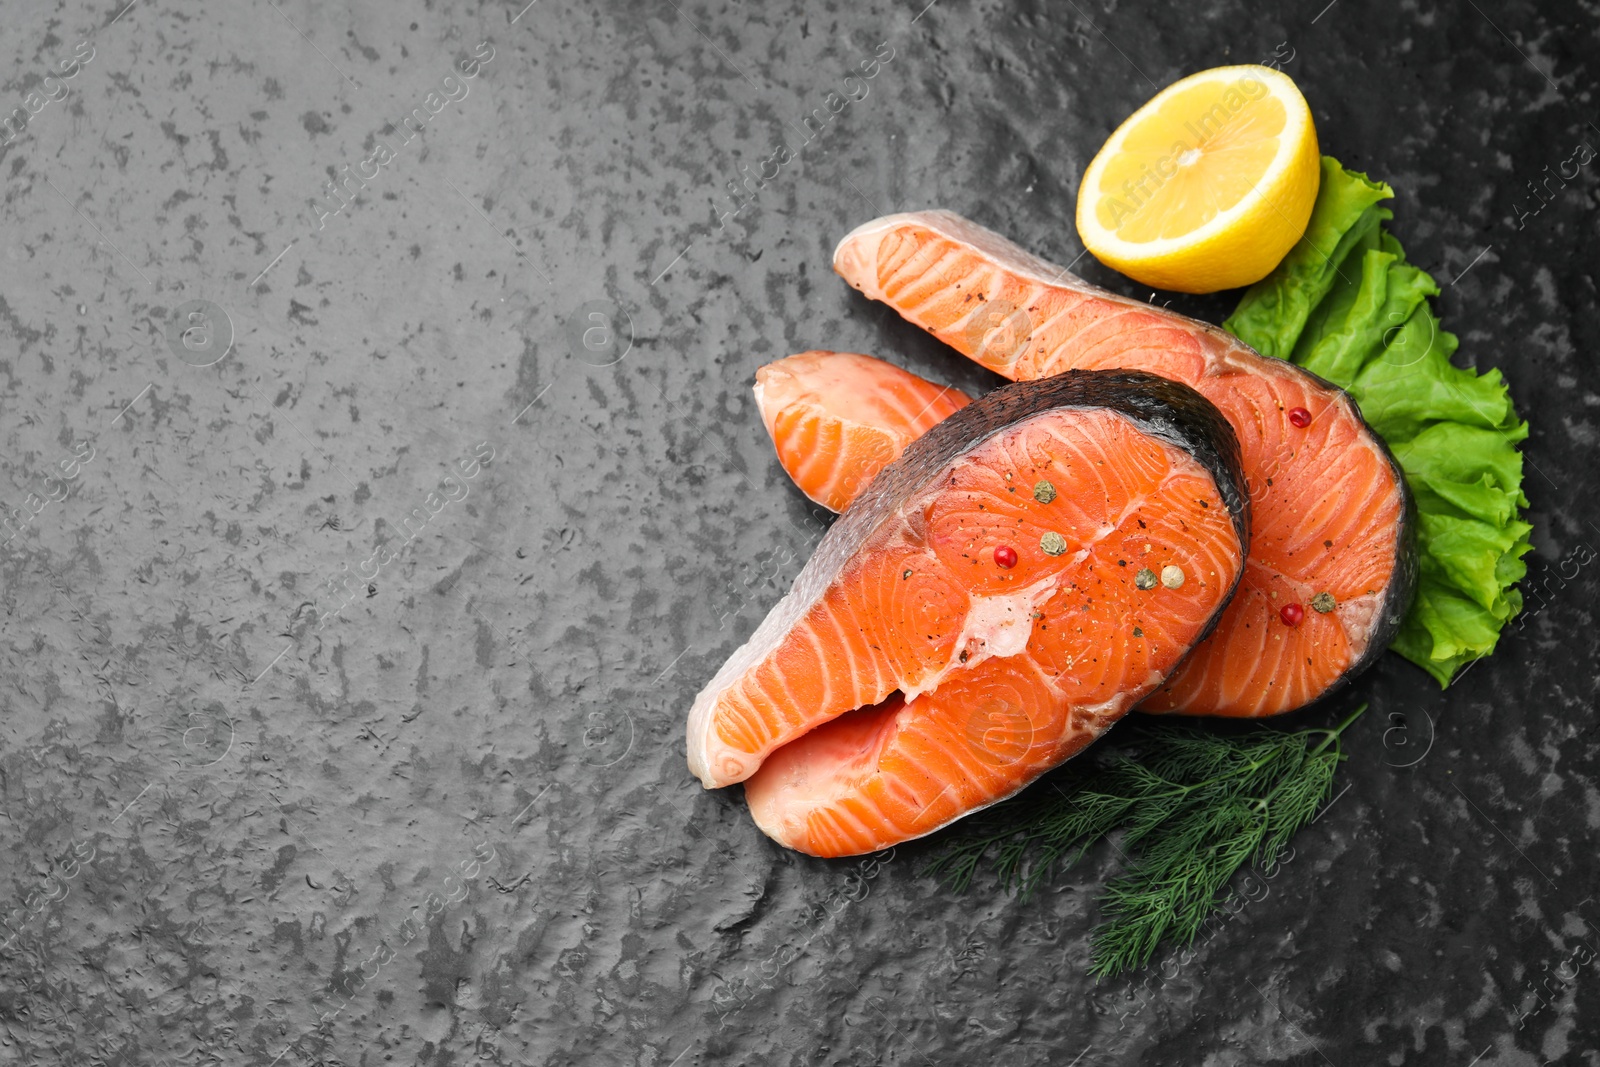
(1332, 537)
(911, 676)
(838, 418)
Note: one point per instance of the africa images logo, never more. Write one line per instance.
(342, 191)
(347, 587)
(810, 127)
(40, 98)
(1139, 191)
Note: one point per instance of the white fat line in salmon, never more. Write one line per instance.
(341, 192)
(994, 627)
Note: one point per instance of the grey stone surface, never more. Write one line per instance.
(442, 816)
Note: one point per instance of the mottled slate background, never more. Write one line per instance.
(444, 817)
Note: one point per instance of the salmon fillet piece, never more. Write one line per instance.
(838, 418)
(1332, 517)
(910, 676)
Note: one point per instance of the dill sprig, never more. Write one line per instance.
(1192, 809)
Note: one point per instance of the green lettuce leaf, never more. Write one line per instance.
(1274, 311)
(1346, 305)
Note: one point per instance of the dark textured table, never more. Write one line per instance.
(381, 374)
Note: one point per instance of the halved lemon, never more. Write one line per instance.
(1208, 185)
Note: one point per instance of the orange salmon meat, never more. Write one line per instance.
(961, 629)
(838, 418)
(1332, 547)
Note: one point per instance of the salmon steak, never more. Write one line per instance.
(1024, 573)
(838, 418)
(1333, 561)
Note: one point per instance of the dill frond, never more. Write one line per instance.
(1191, 810)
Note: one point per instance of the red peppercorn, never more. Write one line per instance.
(1300, 417)
(1291, 614)
(1005, 556)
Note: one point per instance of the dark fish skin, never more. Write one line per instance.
(1164, 409)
